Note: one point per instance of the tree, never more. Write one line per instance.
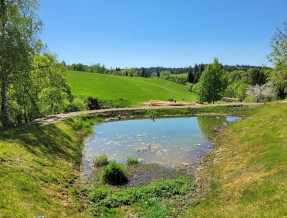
(265, 91)
(279, 58)
(211, 83)
(19, 28)
(190, 77)
(257, 77)
(143, 73)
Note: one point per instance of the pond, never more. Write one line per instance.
(173, 143)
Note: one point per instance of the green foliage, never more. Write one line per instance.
(177, 78)
(189, 86)
(278, 57)
(76, 105)
(106, 198)
(99, 69)
(190, 76)
(258, 77)
(100, 161)
(115, 174)
(19, 29)
(125, 91)
(43, 90)
(165, 73)
(236, 90)
(132, 161)
(211, 84)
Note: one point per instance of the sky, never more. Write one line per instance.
(168, 33)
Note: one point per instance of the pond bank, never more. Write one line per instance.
(191, 109)
(246, 172)
(41, 164)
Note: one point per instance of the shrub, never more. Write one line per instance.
(189, 86)
(265, 91)
(93, 103)
(76, 105)
(115, 174)
(100, 161)
(132, 161)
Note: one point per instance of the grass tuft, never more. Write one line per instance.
(100, 161)
(132, 161)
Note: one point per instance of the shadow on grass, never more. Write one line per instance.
(49, 140)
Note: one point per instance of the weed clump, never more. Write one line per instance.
(100, 161)
(132, 161)
(115, 174)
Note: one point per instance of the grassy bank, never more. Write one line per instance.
(246, 174)
(39, 167)
(126, 91)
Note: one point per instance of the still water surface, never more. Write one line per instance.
(170, 142)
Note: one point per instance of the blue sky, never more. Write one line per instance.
(169, 33)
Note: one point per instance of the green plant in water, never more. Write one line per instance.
(100, 161)
(115, 174)
(132, 161)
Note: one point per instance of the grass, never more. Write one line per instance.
(100, 161)
(39, 167)
(247, 172)
(183, 75)
(151, 200)
(132, 161)
(125, 91)
(115, 174)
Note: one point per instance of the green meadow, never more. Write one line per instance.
(126, 91)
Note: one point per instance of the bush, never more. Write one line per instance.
(93, 103)
(100, 161)
(189, 86)
(115, 174)
(132, 161)
(76, 105)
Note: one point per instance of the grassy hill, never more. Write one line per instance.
(126, 91)
(246, 174)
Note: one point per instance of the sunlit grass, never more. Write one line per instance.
(248, 168)
(126, 91)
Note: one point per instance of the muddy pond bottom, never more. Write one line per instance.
(172, 143)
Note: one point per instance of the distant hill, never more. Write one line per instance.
(124, 91)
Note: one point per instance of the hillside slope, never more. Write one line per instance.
(132, 90)
(246, 174)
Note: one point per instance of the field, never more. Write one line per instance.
(246, 173)
(126, 91)
(183, 75)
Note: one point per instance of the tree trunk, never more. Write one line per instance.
(281, 93)
(4, 104)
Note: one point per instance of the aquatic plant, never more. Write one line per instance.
(115, 174)
(100, 161)
(132, 161)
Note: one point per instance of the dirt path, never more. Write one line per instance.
(59, 117)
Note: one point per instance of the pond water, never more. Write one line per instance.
(169, 142)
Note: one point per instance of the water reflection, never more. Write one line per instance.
(211, 125)
(170, 142)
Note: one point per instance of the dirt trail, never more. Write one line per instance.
(59, 117)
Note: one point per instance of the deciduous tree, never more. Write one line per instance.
(211, 84)
(279, 58)
(19, 28)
